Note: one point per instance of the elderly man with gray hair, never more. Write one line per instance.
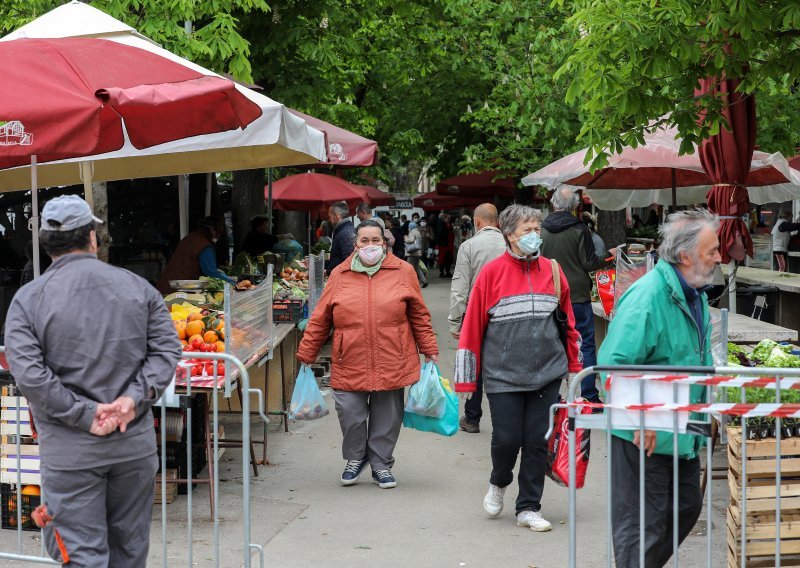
(662, 319)
(567, 239)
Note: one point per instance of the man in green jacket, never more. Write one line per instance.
(662, 319)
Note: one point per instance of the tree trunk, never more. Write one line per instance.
(247, 201)
(611, 227)
(100, 193)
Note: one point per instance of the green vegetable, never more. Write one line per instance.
(764, 349)
(779, 358)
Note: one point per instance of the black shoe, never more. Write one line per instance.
(384, 478)
(425, 285)
(352, 470)
(469, 427)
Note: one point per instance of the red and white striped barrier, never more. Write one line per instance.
(713, 380)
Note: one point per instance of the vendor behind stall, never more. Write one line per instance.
(258, 240)
(194, 257)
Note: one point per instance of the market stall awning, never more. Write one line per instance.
(374, 196)
(345, 148)
(276, 138)
(313, 193)
(640, 176)
(434, 202)
(484, 184)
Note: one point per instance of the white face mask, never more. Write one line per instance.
(370, 255)
(214, 240)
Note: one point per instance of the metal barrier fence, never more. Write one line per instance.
(711, 378)
(248, 547)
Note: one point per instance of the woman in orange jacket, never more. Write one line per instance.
(380, 325)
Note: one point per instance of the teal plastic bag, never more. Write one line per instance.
(307, 400)
(447, 425)
(426, 397)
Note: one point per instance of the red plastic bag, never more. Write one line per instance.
(605, 288)
(558, 450)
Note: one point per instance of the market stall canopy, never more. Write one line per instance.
(313, 193)
(345, 148)
(434, 202)
(794, 163)
(64, 103)
(484, 184)
(640, 176)
(374, 196)
(275, 138)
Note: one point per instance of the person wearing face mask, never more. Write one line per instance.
(194, 257)
(662, 319)
(511, 338)
(381, 325)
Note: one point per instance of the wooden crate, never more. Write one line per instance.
(760, 497)
(172, 488)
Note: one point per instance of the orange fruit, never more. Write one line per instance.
(221, 332)
(31, 490)
(184, 343)
(194, 338)
(195, 327)
(220, 346)
(195, 317)
(210, 337)
(180, 327)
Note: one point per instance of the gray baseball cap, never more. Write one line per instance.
(66, 213)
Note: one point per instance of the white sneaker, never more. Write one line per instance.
(493, 502)
(533, 520)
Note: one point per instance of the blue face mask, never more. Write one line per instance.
(530, 243)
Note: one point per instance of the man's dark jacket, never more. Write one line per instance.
(344, 240)
(567, 239)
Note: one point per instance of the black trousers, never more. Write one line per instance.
(658, 511)
(519, 422)
(472, 406)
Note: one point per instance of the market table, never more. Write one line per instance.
(787, 307)
(741, 328)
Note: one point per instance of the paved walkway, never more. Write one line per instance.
(434, 518)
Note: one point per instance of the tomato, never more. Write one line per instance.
(220, 368)
(197, 371)
(209, 368)
(197, 344)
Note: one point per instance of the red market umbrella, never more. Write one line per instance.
(794, 163)
(484, 184)
(726, 158)
(654, 171)
(374, 196)
(75, 97)
(313, 193)
(434, 202)
(345, 148)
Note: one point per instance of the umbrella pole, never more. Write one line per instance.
(269, 200)
(309, 232)
(183, 206)
(732, 287)
(35, 215)
(208, 194)
(86, 176)
(674, 192)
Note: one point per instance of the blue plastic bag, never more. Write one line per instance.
(426, 397)
(307, 400)
(447, 425)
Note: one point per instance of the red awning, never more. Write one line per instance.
(345, 148)
(484, 184)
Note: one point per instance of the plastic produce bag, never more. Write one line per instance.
(307, 400)
(447, 425)
(558, 450)
(426, 397)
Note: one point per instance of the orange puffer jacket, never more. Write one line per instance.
(380, 326)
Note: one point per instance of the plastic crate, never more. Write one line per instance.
(8, 493)
(290, 312)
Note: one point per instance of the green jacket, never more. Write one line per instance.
(653, 326)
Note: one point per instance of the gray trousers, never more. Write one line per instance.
(414, 261)
(371, 423)
(658, 513)
(102, 514)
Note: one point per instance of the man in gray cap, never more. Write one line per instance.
(92, 347)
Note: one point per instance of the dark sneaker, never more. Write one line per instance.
(352, 470)
(384, 478)
(469, 427)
